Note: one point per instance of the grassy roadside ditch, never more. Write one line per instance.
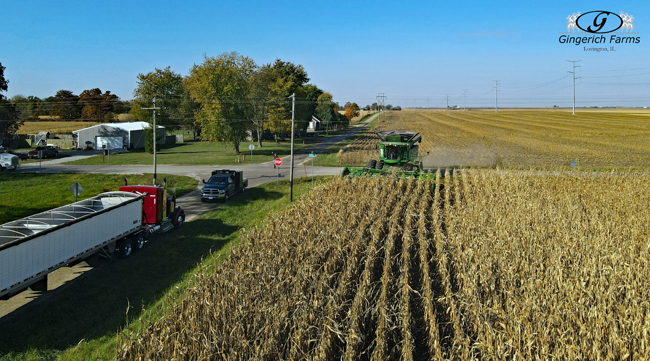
(82, 320)
(24, 194)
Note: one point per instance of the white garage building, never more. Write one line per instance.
(116, 135)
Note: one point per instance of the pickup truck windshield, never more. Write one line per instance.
(218, 180)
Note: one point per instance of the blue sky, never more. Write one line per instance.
(415, 52)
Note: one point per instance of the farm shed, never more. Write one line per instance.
(116, 135)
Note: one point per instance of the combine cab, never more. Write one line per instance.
(398, 153)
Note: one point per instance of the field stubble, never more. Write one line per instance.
(482, 265)
(551, 139)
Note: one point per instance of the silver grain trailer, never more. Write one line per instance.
(34, 246)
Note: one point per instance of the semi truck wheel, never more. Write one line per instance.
(138, 242)
(125, 248)
(180, 220)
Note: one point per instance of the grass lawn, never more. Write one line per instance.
(210, 153)
(24, 194)
(81, 321)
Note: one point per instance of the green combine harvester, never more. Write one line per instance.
(398, 154)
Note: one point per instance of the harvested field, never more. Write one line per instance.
(594, 139)
(483, 265)
(54, 127)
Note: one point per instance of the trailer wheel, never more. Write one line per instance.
(138, 242)
(125, 248)
(180, 220)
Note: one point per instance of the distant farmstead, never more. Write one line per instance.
(115, 136)
(314, 124)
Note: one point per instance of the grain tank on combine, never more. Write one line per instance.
(398, 153)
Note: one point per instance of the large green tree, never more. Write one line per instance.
(272, 85)
(4, 84)
(167, 87)
(326, 109)
(9, 123)
(260, 92)
(222, 86)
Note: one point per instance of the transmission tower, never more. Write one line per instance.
(496, 96)
(574, 82)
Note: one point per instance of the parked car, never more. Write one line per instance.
(49, 151)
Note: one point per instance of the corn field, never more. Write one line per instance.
(489, 265)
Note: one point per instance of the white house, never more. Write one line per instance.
(314, 124)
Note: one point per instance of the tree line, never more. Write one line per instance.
(225, 98)
(229, 97)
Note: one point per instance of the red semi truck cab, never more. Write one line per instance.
(157, 208)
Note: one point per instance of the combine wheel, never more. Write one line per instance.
(372, 163)
(379, 165)
(407, 167)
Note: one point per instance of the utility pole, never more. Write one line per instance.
(574, 83)
(154, 139)
(447, 101)
(293, 118)
(465, 100)
(496, 96)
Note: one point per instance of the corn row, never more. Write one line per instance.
(384, 310)
(361, 304)
(427, 296)
(339, 299)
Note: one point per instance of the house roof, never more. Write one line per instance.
(128, 126)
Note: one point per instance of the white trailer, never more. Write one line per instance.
(34, 246)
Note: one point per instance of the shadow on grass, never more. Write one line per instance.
(95, 304)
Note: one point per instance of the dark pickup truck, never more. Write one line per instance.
(223, 184)
(48, 152)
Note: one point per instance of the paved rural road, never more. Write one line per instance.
(191, 203)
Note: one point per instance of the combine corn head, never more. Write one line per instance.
(398, 154)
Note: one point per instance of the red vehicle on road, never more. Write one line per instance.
(48, 151)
